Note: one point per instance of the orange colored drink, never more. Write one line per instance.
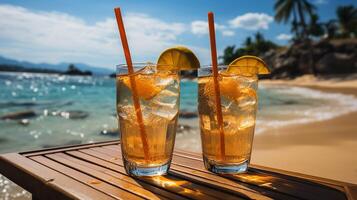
(239, 104)
(158, 93)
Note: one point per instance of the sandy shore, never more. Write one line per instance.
(325, 149)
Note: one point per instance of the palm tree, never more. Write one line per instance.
(347, 18)
(259, 38)
(228, 54)
(331, 28)
(248, 42)
(286, 8)
(315, 28)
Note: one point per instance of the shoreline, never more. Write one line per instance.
(324, 148)
(318, 148)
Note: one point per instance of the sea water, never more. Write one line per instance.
(52, 97)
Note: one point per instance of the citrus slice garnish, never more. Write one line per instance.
(229, 88)
(177, 58)
(145, 86)
(248, 65)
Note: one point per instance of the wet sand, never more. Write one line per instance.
(326, 149)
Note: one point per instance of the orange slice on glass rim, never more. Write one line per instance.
(248, 65)
(177, 58)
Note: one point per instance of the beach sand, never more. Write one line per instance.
(326, 149)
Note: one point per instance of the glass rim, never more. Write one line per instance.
(122, 69)
(140, 64)
(206, 70)
(210, 66)
(219, 66)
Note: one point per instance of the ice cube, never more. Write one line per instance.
(126, 112)
(248, 82)
(246, 122)
(165, 104)
(148, 69)
(247, 97)
(245, 101)
(230, 122)
(226, 104)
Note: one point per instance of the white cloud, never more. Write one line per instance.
(252, 21)
(228, 33)
(201, 28)
(55, 37)
(284, 36)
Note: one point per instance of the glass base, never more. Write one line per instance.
(225, 169)
(135, 170)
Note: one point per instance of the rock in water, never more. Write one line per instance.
(110, 132)
(3, 140)
(186, 114)
(19, 115)
(24, 122)
(74, 114)
(183, 128)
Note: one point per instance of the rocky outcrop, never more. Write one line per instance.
(181, 128)
(187, 114)
(110, 132)
(74, 71)
(71, 114)
(328, 57)
(336, 63)
(19, 115)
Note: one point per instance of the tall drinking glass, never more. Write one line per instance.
(147, 147)
(227, 150)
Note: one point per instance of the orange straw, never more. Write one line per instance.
(212, 37)
(139, 115)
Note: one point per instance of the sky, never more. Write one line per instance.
(85, 31)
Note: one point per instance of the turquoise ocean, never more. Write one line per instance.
(52, 97)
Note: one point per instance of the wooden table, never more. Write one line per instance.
(95, 171)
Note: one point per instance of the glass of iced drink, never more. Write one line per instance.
(227, 147)
(147, 147)
(147, 106)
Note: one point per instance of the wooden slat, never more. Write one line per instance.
(110, 161)
(206, 177)
(96, 170)
(180, 186)
(81, 177)
(123, 181)
(239, 189)
(127, 191)
(43, 182)
(122, 175)
(339, 185)
(294, 188)
(67, 148)
(191, 168)
(301, 177)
